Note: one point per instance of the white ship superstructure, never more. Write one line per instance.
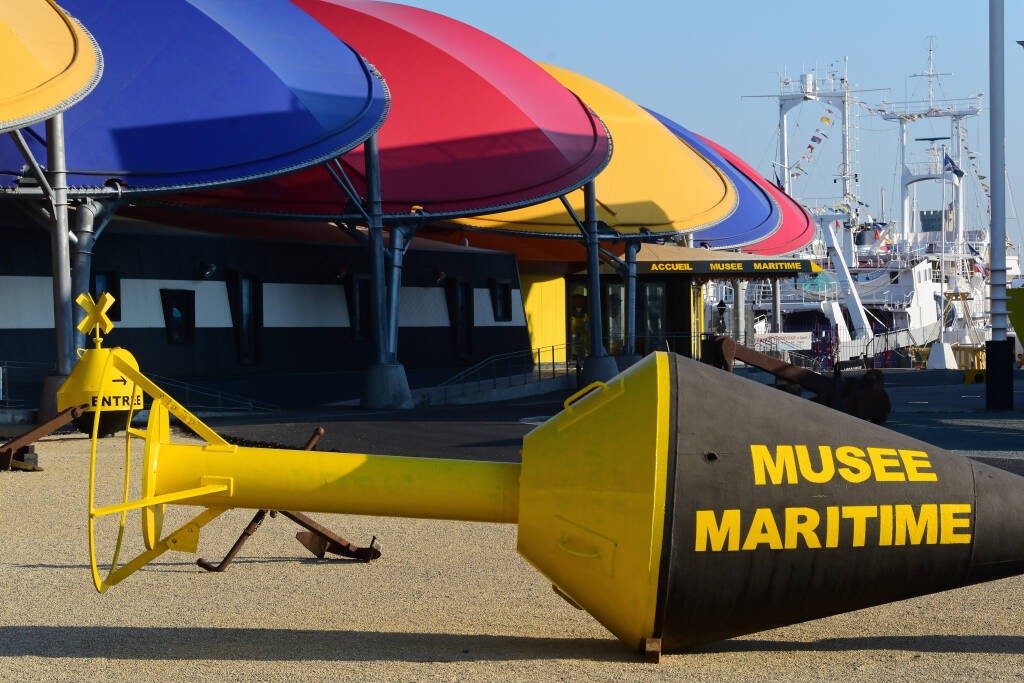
(887, 284)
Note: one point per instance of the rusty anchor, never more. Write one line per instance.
(16, 454)
(319, 540)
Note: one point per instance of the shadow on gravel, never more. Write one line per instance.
(243, 644)
(240, 644)
(936, 643)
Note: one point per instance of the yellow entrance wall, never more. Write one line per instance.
(544, 303)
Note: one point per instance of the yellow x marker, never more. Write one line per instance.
(95, 313)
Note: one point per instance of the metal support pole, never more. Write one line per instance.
(998, 351)
(593, 272)
(59, 245)
(386, 383)
(997, 172)
(81, 267)
(375, 227)
(632, 248)
(60, 263)
(91, 218)
(598, 366)
(776, 305)
(399, 243)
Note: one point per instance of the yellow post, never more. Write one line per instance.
(314, 481)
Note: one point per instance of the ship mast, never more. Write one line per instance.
(833, 90)
(906, 113)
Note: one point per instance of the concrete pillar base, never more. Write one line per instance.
(625, 360)
(48, 400)
(386, 386)
(598, 369)
(999, 374)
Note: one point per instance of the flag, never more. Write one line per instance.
(949, 165)
(826, 120)
(979, 263)
(815, 138)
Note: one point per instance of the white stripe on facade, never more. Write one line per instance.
(293, 305)
(141, 306)
(26, 303)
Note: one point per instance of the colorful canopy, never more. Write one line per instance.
(655, 184)
(199, 93)
(756, 216)
(475, 126)
(797, 229)
(50, 62)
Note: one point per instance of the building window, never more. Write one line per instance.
(245, 297)
(501, 300)
(108, 281)
(357, 296)
(179, 315)
(459, 296)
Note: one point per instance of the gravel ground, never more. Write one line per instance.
(447, 601)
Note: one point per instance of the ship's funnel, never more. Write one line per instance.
(677, 503)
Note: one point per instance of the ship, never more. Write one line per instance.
(889, 288)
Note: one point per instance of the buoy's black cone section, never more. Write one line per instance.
(111, 421)
(779, 510)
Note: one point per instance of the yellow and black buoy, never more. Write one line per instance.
(676, 503)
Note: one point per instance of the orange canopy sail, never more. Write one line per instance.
(51, 62)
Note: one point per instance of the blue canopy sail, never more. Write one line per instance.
(199, 93)
(756, 216)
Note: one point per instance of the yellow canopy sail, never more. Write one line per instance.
(50, 62)
(654, 182)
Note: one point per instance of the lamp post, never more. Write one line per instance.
(999, 350)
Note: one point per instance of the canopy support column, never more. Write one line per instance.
(386, 385)
(60, 260)
(629, 355)
(739, 313)
(776, 305)
(627, 271)
(598, 366)
(400, 236)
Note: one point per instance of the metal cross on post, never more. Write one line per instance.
(96, 319)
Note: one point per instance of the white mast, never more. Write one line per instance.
(907, 112)
(840, 249)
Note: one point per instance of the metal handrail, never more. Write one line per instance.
(9, 368)
(514, 368)
(189, 396)
(532, 357)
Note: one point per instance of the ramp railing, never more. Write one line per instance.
(504, 370)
